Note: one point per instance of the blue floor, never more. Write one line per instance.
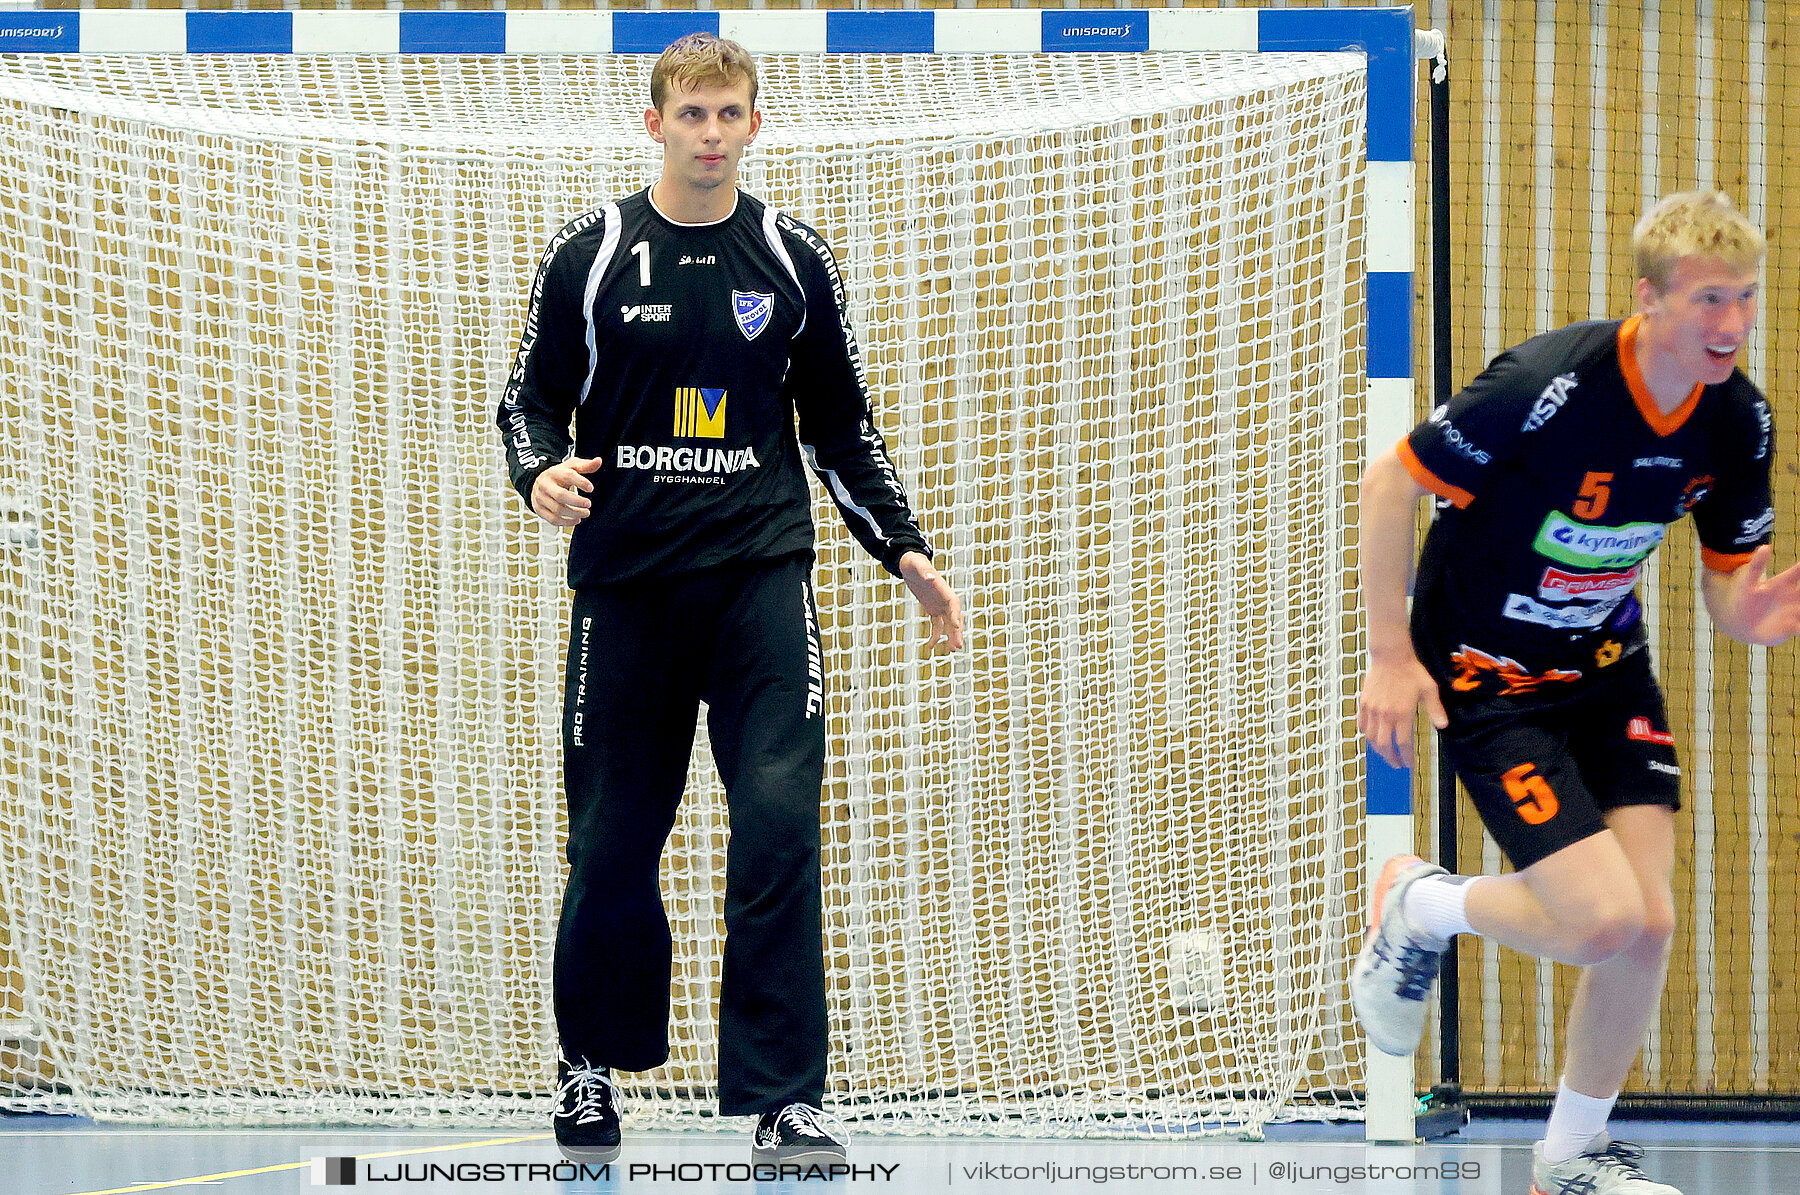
(64, 1156)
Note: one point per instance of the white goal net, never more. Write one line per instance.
(280, 812)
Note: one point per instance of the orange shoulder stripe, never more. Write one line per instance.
(1455, 495)
(1722, 562)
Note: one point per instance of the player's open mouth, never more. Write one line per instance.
(1721, 354)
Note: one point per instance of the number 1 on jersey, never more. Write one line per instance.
(641, 251)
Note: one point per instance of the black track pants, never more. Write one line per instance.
(642, 656)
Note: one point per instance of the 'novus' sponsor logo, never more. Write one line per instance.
(1456, 440)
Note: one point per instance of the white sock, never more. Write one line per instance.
(1438, 904)
(1574, 1120)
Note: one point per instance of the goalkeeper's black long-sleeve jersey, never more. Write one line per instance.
(682, 354)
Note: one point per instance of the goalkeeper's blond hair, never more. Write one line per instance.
(701, 60)
(1694, 224)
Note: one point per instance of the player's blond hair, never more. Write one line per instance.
(701, 60)
(1694, 224)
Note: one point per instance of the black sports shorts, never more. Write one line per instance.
(1542, 776)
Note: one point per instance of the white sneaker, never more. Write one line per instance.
(1394, 974)
(1605, 1167)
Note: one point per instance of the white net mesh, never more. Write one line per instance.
(280, 798)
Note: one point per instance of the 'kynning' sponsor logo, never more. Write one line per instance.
(1587, 546)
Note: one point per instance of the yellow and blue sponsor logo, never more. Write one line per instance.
(699, 413)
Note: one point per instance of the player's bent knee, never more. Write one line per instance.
(1610, 930)
(1657, 934)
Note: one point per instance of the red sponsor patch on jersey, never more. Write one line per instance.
(1559, 584)
(1641, 730)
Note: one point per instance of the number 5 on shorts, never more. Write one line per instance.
(1531, 794)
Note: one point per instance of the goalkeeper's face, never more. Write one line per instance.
(703, 131)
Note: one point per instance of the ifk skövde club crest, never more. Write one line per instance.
(752, 311)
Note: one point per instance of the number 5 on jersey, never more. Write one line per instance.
(1590, 503)
(1531, 794)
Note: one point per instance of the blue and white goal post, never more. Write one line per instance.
(1386, 36)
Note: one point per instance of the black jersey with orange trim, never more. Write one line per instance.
(1557, 475)
(682, 355)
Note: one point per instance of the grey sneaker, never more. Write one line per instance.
(799, 1133)
(1398, 965)
(1605, 1167)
